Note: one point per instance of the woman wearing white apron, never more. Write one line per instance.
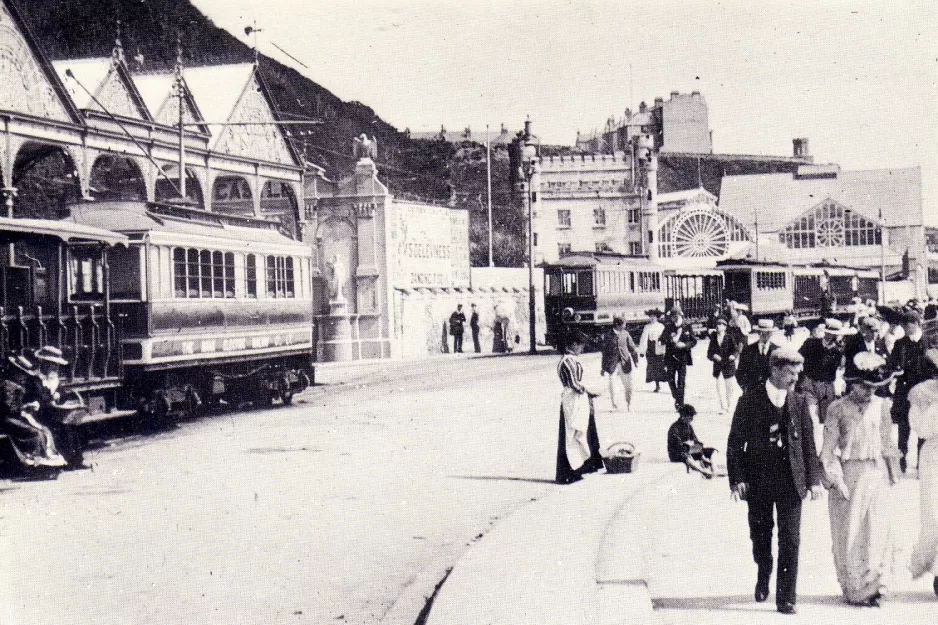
(578, 440)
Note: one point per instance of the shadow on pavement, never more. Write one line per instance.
(496, 478)
(739, 603)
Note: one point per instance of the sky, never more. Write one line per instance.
(859, 79)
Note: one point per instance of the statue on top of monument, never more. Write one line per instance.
(336, 277)
(363, 147)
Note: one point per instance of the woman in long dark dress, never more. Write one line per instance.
(651, 348)
(578, 440)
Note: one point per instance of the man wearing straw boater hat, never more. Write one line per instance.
(753, 368)
(822, 359)
(772, 464)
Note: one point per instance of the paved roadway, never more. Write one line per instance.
(347, 507)
(322, 512)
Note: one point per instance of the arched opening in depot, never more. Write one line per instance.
(167, 186)
(46, 180)
(278, 200)
(116, 177)
(232, 195)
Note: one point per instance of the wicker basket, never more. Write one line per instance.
(621, 458)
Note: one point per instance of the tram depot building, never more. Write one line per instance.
(782, 208)
(385, 274)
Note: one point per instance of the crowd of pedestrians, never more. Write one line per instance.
(836, 414)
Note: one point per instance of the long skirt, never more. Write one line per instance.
(655, 371)
(32, 442)
(865, 545)
(925, 553)
(565, 474)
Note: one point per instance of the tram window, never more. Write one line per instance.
(280, 277)
(87, 272)
(124, 265)
(586, 284)
(179, 272)
(192, 272)
(250, 275)
(229, 274)
(770, 280)
(569, 283)
(290, 286)
(553, 284)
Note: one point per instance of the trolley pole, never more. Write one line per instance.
(529, 169)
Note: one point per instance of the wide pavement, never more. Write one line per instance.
(658, 546)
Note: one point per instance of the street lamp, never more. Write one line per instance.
(882, 257)
(529, 169)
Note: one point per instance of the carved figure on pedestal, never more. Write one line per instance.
(336, 278)
(363, 147)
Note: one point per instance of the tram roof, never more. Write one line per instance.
(139, 217)
(19, 228)
(592, 259)
(749, 262)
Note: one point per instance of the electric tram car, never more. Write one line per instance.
(41, 303)
(772, 289)
(213, 307)
(585, 291)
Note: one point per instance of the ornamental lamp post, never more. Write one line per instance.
(529, 168)
(882, 257)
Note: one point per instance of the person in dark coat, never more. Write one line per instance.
(456, 322)
(619, 356)
(474, 326)
(822, 358)
(772, 464)
(753, 369)
(723, 351)
(912, 365)
(679, 340)
(866, 340)
(684, 446)
(578, 450)
(32, 443)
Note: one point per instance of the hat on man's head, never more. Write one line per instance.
(686, 410)
(653, 312)
(51, 354)
(869, 321)
(737, 306)
(835, 327)
(785, 356)
(721, 320)
(765, 325)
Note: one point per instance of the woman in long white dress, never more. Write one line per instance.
(652, 349)
(923, 418)
(860, 464)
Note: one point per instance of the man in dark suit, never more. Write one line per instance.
(456, 322)
(866, 340)
(910, 358)
(474, 326)
(678, 340)
(772, 464)
(753, 368)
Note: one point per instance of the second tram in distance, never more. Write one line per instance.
(586, 290)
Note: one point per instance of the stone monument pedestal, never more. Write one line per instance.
(337, 344)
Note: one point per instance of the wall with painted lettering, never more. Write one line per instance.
(429, 246)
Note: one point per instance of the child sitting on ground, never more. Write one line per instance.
(684, 446)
